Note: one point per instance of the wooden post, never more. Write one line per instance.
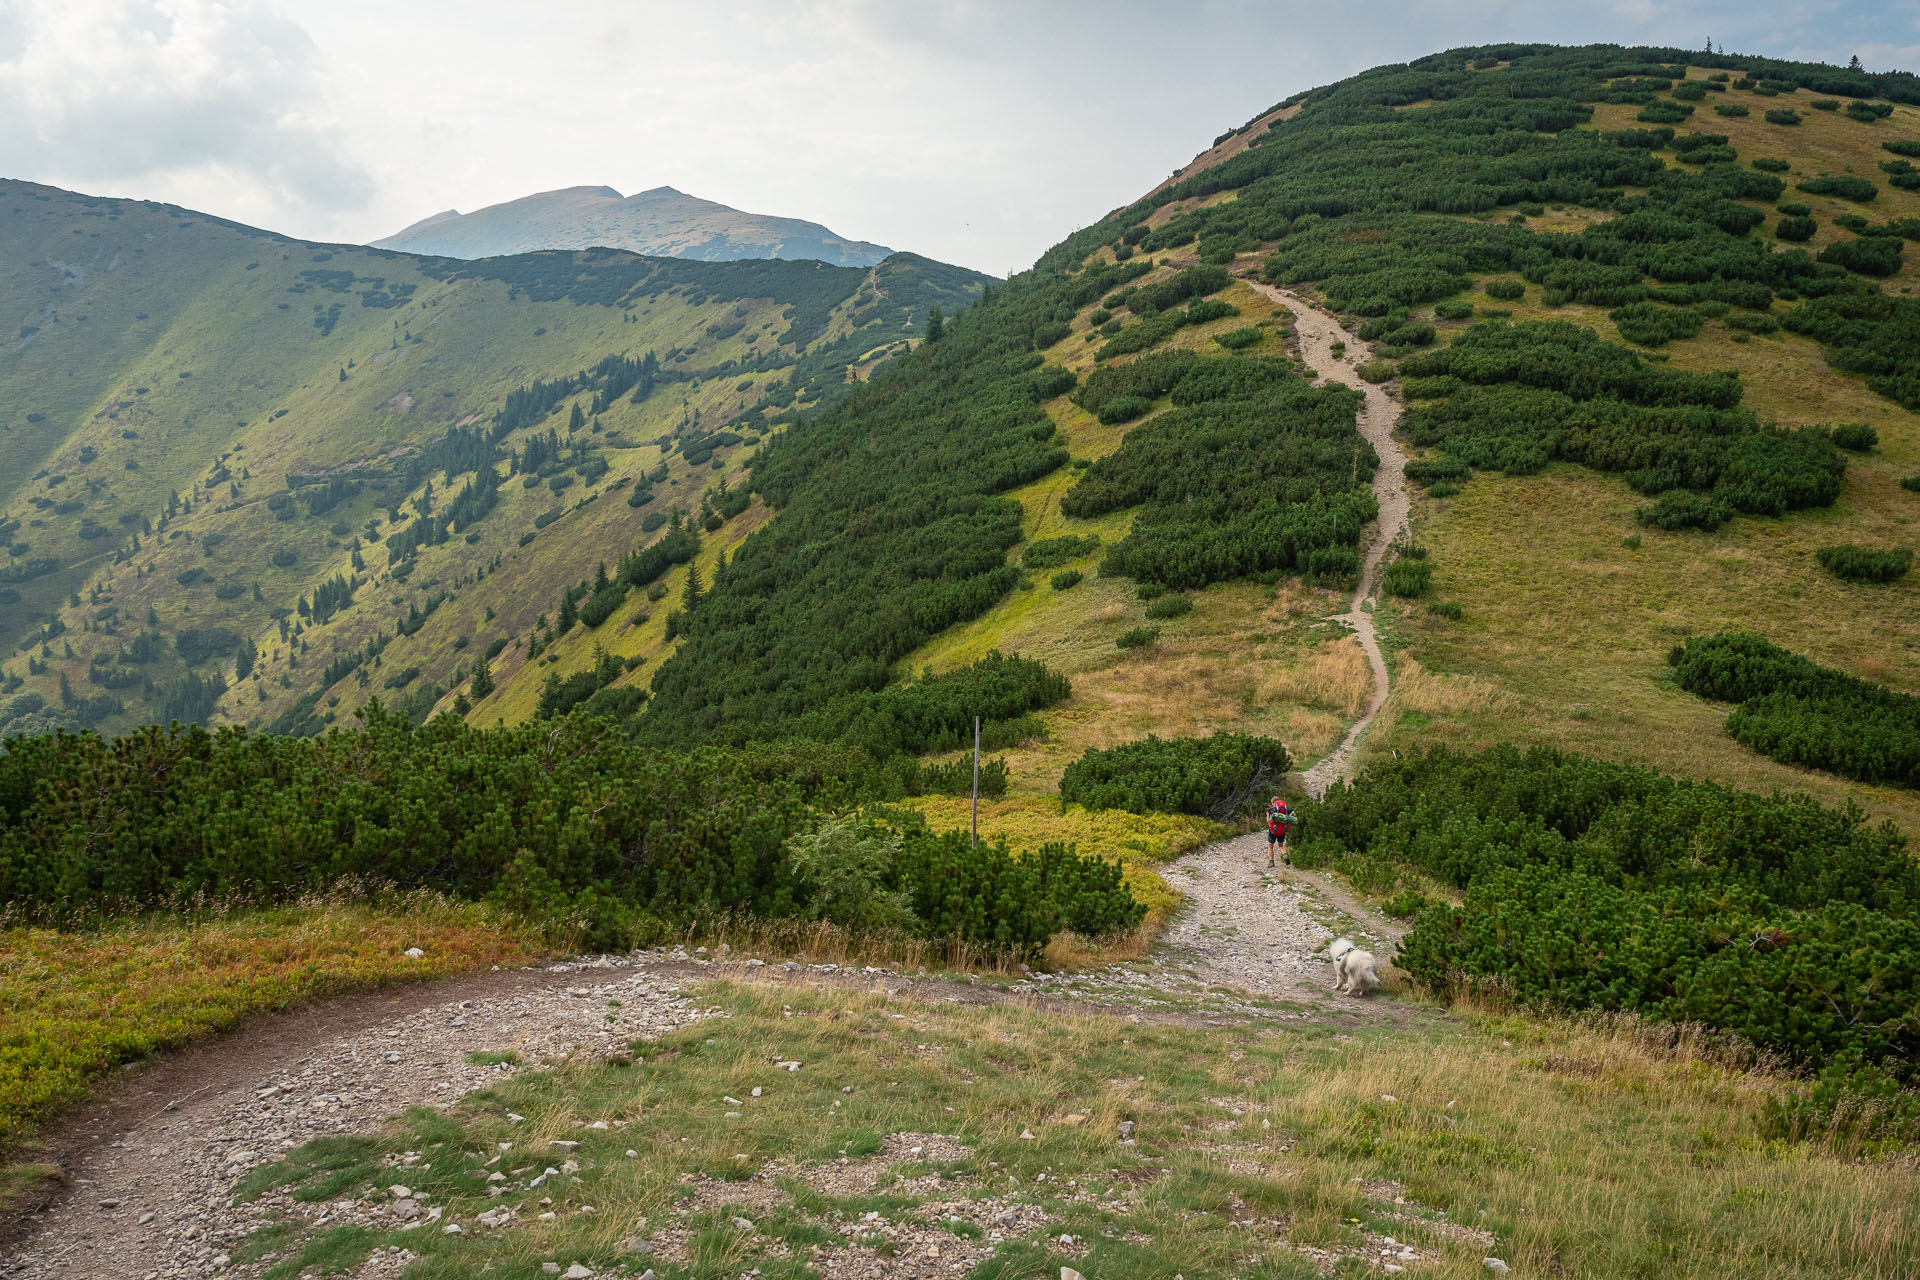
(976, 782)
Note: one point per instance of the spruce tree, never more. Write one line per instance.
(936, 325)
(243, 660)
(578, 420)
(690, 595)
(482, 679)
(569, 614)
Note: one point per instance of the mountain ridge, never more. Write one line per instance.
(660, 222)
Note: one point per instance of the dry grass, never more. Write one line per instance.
(1333, 677)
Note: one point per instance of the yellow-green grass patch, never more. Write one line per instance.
(1566, 629)
(76, 1004)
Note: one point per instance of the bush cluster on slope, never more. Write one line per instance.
(1216, 777)
(1602, 886)
(1798, 712)
(565, 821)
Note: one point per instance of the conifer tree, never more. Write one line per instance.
(569, 614)
(482, 684)
(243, 660)
(936, 325)
(691, 594)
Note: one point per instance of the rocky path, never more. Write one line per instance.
(1317, 331)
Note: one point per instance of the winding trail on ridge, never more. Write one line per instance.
(1248, 928)
(1316, 332)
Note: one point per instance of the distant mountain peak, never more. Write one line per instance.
(661, 221)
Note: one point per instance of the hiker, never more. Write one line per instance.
(1280, 820)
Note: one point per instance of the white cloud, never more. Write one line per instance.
(154, 96)
(977, 131)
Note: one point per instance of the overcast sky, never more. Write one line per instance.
(978, 131)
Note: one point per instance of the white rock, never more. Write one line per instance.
(731, 1101)
(413, 953)
(756, 1091)
(743, 1224)
(1496, 1266)
(550, 1268)
(1068, 1273)
(1026, 1135)
(577, 1272)
(631, 1153)
(451, 1229)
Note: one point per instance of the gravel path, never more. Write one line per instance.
(154, 1203)
(1316, 332)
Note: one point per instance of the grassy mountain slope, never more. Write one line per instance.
(284, 400)
(661, 222)
(1396, 198)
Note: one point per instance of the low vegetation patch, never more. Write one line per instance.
(1865, 564)
(1590, 885)
(1798, 712)
(566, 823)
(1216, 777)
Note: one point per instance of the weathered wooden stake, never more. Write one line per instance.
(976, 782)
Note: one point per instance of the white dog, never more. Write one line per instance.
(1355, 971)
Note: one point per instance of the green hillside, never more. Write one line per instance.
(210, 437)
(1585, 272)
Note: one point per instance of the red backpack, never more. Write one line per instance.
(1279, 819)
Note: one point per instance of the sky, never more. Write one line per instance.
(975, 131)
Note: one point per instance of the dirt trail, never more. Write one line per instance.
(1317, 331)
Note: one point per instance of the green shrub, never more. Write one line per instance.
(1425, 471)
(1453, 309)
(1651, 325)
(1124, 409)
(1685, 509)
(1506, 290)
(1170, 606)
(1877, 256)
(1796, 230)
(1138, 638)
(1782, 115)
(1407, 577)
(1049, 553)
(1865, 564)
(1856, 436)
(1846, 188)
(1377, 370)
(1736, 109)
(1240, 339)
(844, 867)
(1910, 483)
(1066, 580)
(1771, 164)
(1217, 777)
(1448, 609)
